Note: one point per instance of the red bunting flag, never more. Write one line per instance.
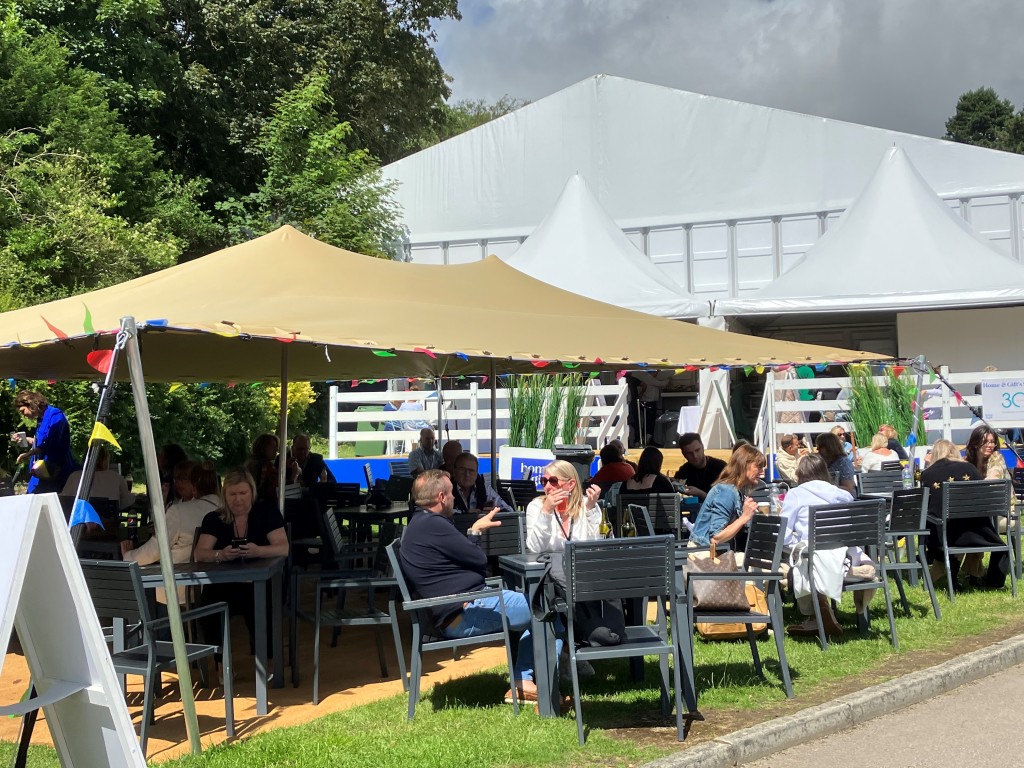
(54, 329)
(540, 363)
(425, 352)
(100, 359)
(959, 397)
(897, 370)
(598, 361)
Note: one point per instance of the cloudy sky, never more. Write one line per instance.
(898, 64)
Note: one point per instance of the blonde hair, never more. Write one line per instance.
(945, 449)
(565, 471)
(878, 440)
(237, 476)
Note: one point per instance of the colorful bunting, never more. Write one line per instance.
(898, 370)
(747, 370)
(594, 374)
(100, 359)
(820, 367)
(384, 353)
(100, 431)
(570, 366)
(462, 356)
(759, 368)
(540, 363)
(232, 384)
(159, 323)
(598, 361)
(959, 397)
(911, 440)
(426, 352)
(83, 512)
(174, 387)
(483, 380)
(87, 323)
(54, 329)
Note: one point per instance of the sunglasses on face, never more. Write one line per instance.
(553, 481)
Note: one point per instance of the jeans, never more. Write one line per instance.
(483, 616)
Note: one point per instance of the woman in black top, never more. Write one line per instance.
(947, 467)
(242, 527)
(648, 475)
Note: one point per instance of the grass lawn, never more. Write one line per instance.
(460, 723)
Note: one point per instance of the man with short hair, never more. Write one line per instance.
(786, 459)
(423, 456)
(472, 494)
(449, 453)
(700, 471)
(437, 560)
(305, 467)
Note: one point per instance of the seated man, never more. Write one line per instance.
(437, 560)
(451, 451)
(472, 494)
(613, 469)
(305, 467)
(700, 470)
(423, 456)
(786, 459)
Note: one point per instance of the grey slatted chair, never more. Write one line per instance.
(400, 468)
(889, 465)
(117, 593)
(908, 516)
(760, 565)
(663, 509)
(506, 539)
(424, 634)
(967, 499)
(880, 482)
(853, 524)
(626, 569)
(522, 491)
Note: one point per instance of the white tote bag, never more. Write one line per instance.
(828, 571)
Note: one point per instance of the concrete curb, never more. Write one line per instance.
(758, 741)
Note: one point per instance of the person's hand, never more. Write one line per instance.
(231, 553)
(126, 546)
(553, 498)
(23, 456)
(593, 493)
(749, 508)
(487, 521)
(692, 490)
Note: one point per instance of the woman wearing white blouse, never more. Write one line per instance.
(564, 513)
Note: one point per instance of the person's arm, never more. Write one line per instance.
(278, 546)
(205, 552)
(729, 532)
(415, 461)
(693, 490)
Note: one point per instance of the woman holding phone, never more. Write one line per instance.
(242, 527)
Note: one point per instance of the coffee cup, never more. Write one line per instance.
(764, 508)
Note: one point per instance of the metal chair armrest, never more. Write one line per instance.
(462, 597)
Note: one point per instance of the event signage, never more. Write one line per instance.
(1002, 399)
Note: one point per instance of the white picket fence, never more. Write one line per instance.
(945, 417)
(465, 415)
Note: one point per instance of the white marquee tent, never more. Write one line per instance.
(580, 249)
(898, 247)
(655, 155)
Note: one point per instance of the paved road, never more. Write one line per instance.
(975, 725)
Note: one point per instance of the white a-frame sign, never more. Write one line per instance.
(43, 593)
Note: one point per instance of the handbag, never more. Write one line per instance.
(714, 594)
(758, 604)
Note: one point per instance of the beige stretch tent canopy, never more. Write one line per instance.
(223, 317)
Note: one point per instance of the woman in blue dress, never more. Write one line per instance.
(50, 448)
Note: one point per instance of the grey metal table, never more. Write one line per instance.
(258, 572)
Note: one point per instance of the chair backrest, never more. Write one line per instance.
(522, 491)
(880, 482)
(303, 514)
(394, 550)
(764, 544)
(891, 465)
(334, 539)
(853, 524)
(975, 498)
(642, 520)
(509, 538)
(664, 511)
(400, 469)
(761, 495)
(398, 488)
(368, 474)
(336, 495)
(909, 510)
(195, 543)
(116, 590)
(609, 569)
(1018, 483)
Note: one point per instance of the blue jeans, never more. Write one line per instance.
(483, 616)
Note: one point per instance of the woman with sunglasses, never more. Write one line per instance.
(564, 512)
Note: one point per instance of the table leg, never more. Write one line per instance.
(278, 630)
(260, 592)
(545, 662)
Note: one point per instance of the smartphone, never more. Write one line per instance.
(238, 542)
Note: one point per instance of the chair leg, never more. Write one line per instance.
(229, 684)
(1013, 575)
(926, 577)
(152, 683)
(293, 632)
(666, 691)
(818, 618)
(576, 695)
(683, 635)
(416, 664)
(903, 593)
(888, 608)
(316, 652)
(396, 634)
(380, 651)
(752, 641)
(949, 572)
(677, 679)
(775, 610)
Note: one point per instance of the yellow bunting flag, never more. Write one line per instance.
(174, 387)
(100, 432)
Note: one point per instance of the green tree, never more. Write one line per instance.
(201, 77)
(981, 118)
(313, 181)
(83, 202)
(467, 114)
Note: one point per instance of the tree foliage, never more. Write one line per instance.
(985, 119)
(314, 181)
(467, 114)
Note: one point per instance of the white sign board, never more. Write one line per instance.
(1003, 400)
(43, 593)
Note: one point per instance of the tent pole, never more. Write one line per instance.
(282, 440)
(156, 501)
(494, 426)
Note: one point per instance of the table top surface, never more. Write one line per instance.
(252, 569)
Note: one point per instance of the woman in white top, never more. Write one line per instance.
(182, 520)
(106, 483)
(879, 453)
(563, 513)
